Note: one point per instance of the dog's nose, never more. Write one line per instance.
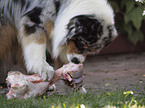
(75, 60)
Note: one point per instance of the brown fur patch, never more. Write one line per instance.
(71, 48)
(10, 50)
(38, 38)
(41, 38)
(58, 63)
(49, 27)
(7, 34)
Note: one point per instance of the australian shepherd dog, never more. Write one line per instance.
(68, 29)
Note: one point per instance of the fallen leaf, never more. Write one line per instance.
(106, 71)
(1, 87)
(108, 84)
(135, 74)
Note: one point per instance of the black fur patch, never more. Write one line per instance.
(107, 40)
(30, 29)
(2, 10)
(3, 20)
(20, 1)
(9, 7)
(84, 30)
(57, 5)
(34, 15)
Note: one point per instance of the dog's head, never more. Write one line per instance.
(82, 26)
(87, 34)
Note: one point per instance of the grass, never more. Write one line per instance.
(113, 99)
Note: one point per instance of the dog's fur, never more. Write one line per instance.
(68, 29)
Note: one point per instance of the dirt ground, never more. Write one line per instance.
(126, 71)
(104, 73)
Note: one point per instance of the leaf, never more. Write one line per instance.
(1, 87)
(44, 97)
(126, 18)
(123, 3)
(136, 37)
(108, 84)
(114, 5)
(108, 93)
(135, 15)
(129, 5)
(128, 28)
(137, 20)
(64, 105)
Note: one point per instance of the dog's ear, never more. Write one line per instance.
(86, 26)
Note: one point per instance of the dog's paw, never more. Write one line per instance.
(46, 72)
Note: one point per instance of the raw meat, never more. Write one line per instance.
(26, 86)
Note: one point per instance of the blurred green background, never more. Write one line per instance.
(129, 19)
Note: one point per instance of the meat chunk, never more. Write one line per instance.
(26, 86)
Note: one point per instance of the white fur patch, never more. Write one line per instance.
(35, 60)
(80, 57)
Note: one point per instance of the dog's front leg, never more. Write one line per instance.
(33, 38)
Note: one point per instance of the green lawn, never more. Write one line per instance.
(113, 99)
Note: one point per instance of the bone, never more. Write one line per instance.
(26, 86)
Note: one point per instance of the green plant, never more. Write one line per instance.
(142, 1)
(131, 19)
(110, 99)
